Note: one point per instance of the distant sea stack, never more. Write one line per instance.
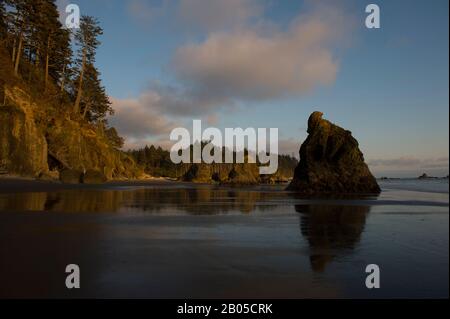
(331, 162)
(231, 174)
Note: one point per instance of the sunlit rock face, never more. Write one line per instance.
(23, 148)
(331, 162)
(32, 133)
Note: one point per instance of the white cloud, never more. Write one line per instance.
(139, 118)
(238, 61)
(179, 101)
(254, 64)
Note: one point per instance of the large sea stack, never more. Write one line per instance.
(331, 162)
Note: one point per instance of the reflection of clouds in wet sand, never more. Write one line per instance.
(331, 230)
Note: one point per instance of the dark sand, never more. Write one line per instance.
(162, 239)
(14, 185)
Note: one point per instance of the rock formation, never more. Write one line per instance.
(35, 141)
(231, 174)
(331, 162)
(199, 173)
(23, 148)
(70, 176)
(426, 176)
(241, 174)
(93, 177)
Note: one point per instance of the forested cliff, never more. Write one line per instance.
(53, 106)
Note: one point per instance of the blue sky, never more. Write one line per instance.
(166, 62)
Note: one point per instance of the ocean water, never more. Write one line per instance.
(179, 240)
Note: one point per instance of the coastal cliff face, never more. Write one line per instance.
(35, 140)
(85, 148)
(23, 148)
(331, 162)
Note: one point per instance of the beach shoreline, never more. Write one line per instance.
(202, 241)
(11, 184)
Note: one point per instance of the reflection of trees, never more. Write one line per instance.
(198, 200)
(22, 201)
(84, 201)
(65, 201)
(205, 200)
(331, 230)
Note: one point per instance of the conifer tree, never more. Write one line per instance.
(50, 30)
(64, 59)
(95, 101)
(23, 13)
(87, 40)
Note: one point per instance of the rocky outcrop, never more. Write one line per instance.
(199, 173)
(23, 148)
(237, 174)
(93, 177)
(83, 147)
(426, 176)
(331, 162)
(70, 176)
(241, 174)
(36, 140)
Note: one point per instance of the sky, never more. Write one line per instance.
(257, 63)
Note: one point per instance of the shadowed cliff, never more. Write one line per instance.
(331, 162)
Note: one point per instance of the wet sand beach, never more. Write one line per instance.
(159, 239)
